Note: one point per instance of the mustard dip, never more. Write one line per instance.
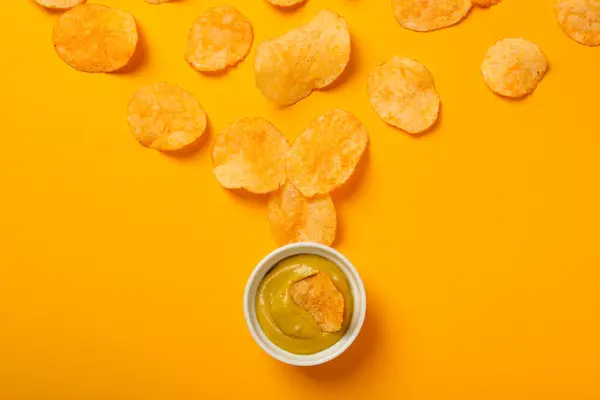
(286, 324)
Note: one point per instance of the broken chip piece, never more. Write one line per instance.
(59, 4)
(286, 3)
(579, 20)
(429, 15)
(514, 67)
(95, 38)
(403, 94)
(250, 154)
(486, 3)
(296, 218)
(219, 38)
(290, 67)
(326, 154)
(165, 117)
(319, 297)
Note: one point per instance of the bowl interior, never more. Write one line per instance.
(357, 290)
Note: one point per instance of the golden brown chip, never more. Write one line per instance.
(325, 155)
(290, 67)
(319, 297)
(250, 154)
(514, 67)
(579, 20)
(486, 3)
(286, 3)
(402, 93)
(95, 38)
(429, 15)
(59, 4)
(165, 117)
(220, 38)
(296, 218)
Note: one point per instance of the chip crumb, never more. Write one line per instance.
(290, 67)
(250, 154)
(165, 117)
(296, 218)
(59, 4)
(95, 38)
(220, 38)
(514, 67)
(579, 20)
(326, 154)
(430, 15)
(403, 94)
(319, 297)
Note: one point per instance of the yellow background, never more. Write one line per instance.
(122, 269)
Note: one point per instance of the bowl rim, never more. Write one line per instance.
(357, 290)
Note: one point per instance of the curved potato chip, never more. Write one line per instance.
(250, 154)
(579, 20)
(286, 3)
(514, 67)
(220, 38)
(59, 4)
(318, 296)
(326, 154)
(403, 94)
(165, 117)
(296, 218)
(290, 67)
(429, 15)
(95, 38)
(486, 3)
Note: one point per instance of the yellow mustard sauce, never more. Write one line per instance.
(285, 323)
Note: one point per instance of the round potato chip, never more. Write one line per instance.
(165, 117)
(289, 68)
(579, 20)
(326, 154)
(486, 3)
(403, 94)
(514, 67)
(429, 15)
(286, 3)
(95, 38)
(220, 38)
(296, 218)
(59, 4)
(250, 154)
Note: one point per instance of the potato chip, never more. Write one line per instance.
(579, 20)
(514, 67)
(429, 15)
(165, 117)
(289, 68)
(486, 3)
(286, 3)
(318, 296)
(402, 93)
(326, 154)
(296, 218)
(250, 154)
(95, 38)
(220, 38)
(59, 4)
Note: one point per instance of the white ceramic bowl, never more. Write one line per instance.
(356, 286)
